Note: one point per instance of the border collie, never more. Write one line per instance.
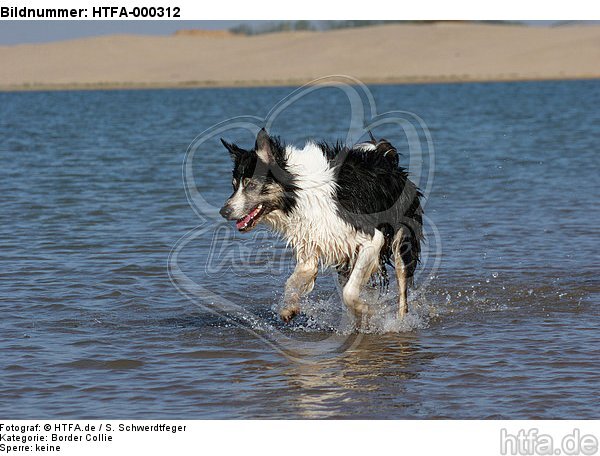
(354, 209)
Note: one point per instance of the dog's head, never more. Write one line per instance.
(261, 183)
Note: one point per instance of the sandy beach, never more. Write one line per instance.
(442, 52)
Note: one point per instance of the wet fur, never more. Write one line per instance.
(340, 206)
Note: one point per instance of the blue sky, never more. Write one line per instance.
(15, 32)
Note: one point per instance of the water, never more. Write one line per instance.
(92, 201)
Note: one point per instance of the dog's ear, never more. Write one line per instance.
(234, 151)
(263, 147)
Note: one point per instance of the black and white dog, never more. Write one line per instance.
(350, 208)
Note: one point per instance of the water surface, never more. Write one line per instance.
(92, 201)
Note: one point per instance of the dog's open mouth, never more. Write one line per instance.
(249, 221)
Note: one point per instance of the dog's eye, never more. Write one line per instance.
(248, 184)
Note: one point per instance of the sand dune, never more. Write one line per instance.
(389, 53)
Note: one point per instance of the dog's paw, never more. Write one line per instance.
(287, 314)
(362, 316)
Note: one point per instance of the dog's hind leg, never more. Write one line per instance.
(300, 283)
(399, 244)
(367, 262)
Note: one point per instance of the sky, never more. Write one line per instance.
(17, 32)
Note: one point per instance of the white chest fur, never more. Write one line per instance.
(314, 228)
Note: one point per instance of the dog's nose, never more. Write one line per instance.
(226, 212)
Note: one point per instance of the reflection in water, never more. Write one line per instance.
(378, 366)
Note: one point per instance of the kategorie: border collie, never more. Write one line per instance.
(354, 209)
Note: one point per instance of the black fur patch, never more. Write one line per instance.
(374, 192)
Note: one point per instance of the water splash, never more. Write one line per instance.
(328, 314)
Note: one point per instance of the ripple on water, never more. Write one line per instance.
(92, 326)
(114, 364)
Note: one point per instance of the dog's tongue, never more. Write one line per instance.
(242, 222)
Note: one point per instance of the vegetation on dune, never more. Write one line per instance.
(315, 26)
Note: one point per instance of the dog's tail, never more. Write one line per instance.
(404, 241)
(381, 277)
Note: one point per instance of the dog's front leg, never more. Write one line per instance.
(300, 283)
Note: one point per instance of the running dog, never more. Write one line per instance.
(352, 208)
